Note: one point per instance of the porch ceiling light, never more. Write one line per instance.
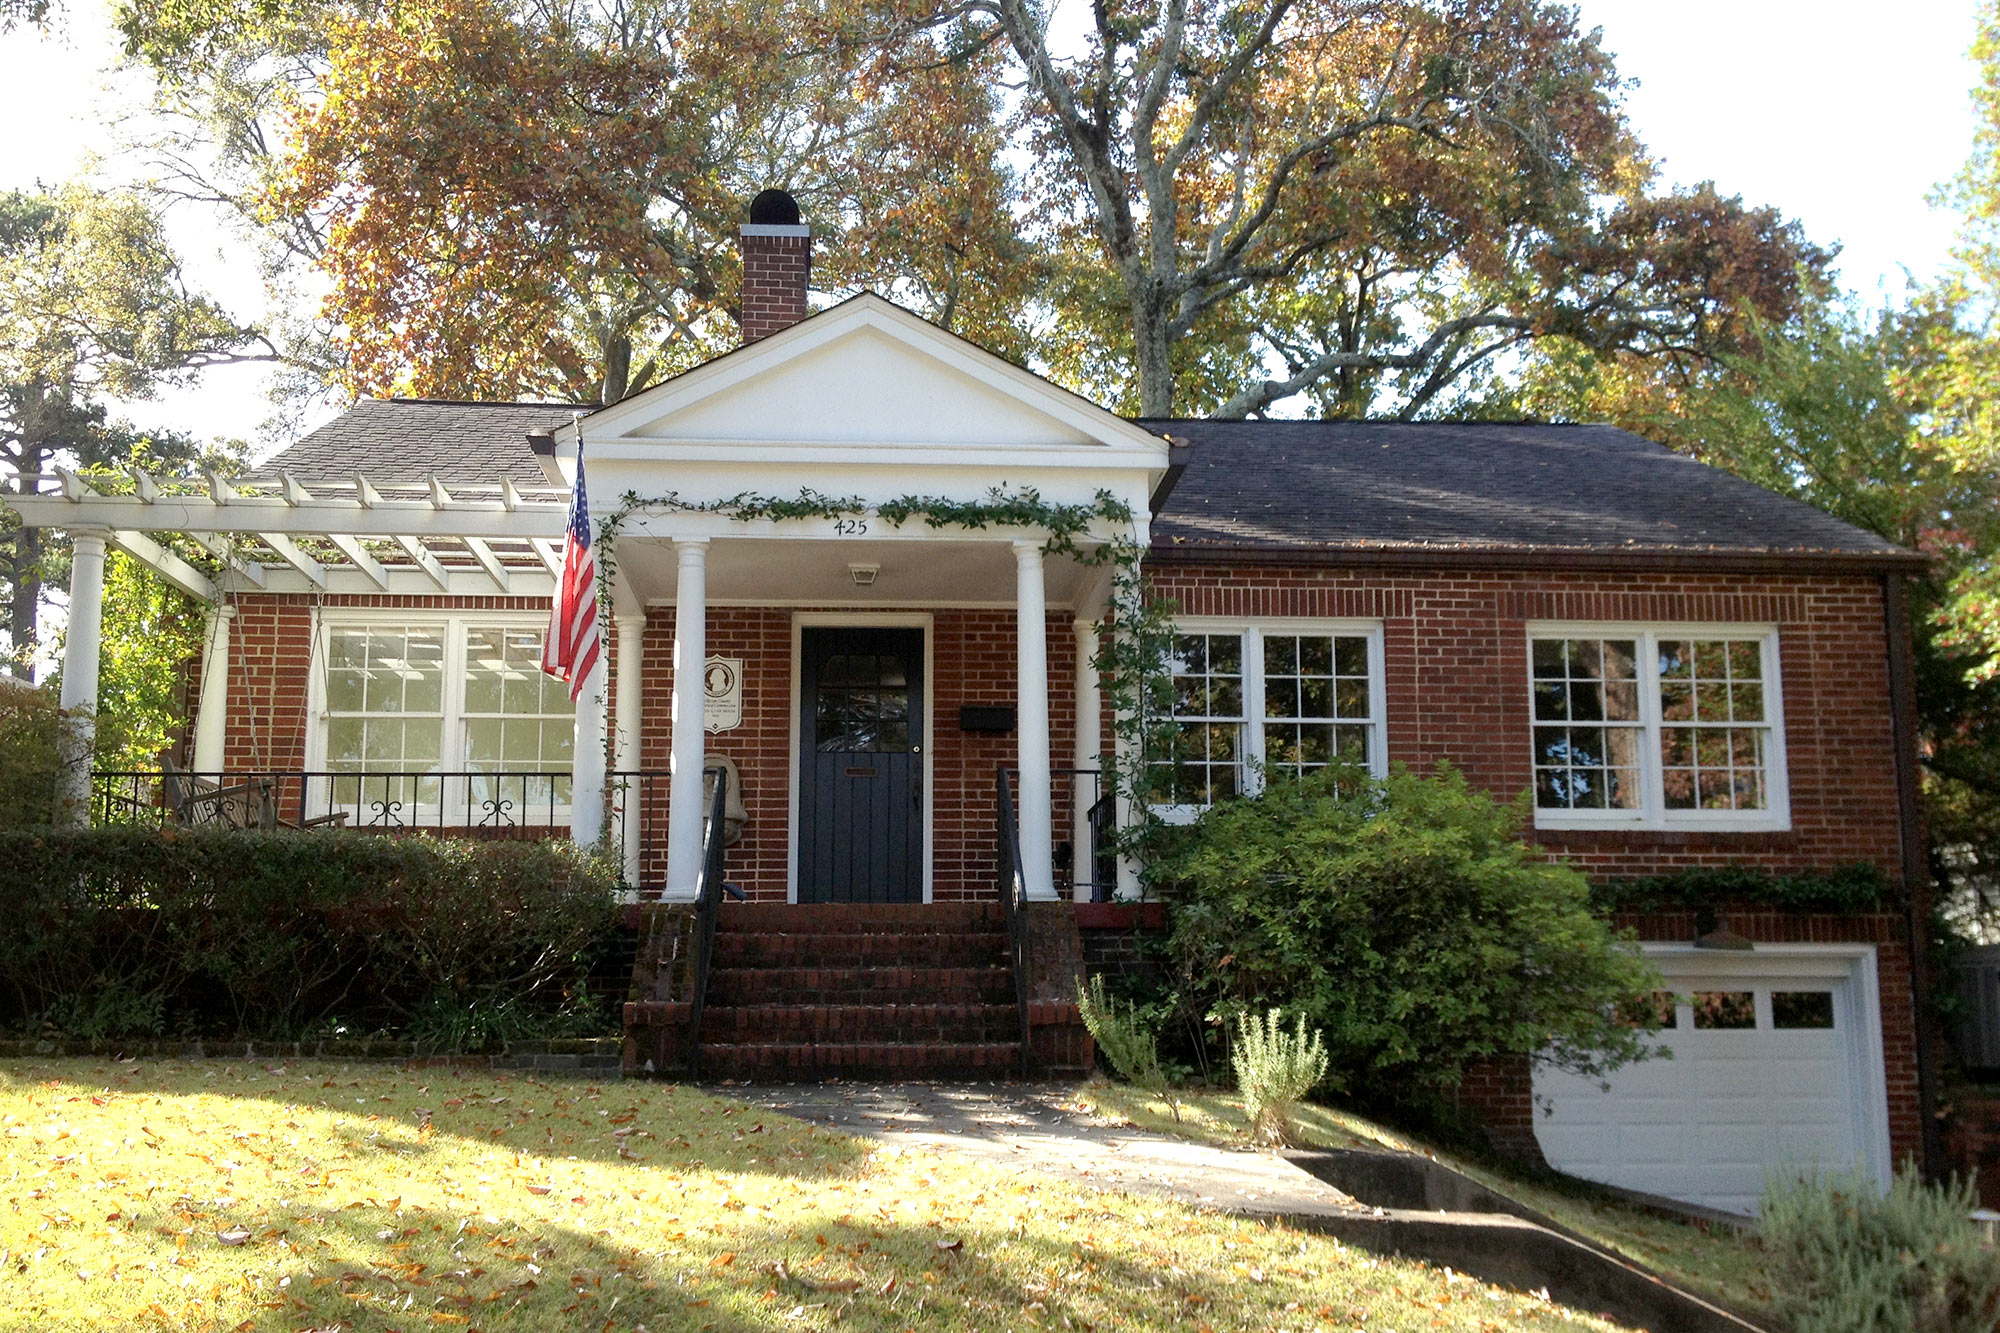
(863, 575)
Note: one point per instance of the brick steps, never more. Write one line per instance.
(846, 949)
(860, 985)
(869, 1023)
(905, 990)
(811, 1060)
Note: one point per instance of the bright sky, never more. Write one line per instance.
(1842, 116)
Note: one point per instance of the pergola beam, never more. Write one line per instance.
(218, 545)
(490, 563)
(165, 563)
(352, 548)
(425, 561)
(288, 551)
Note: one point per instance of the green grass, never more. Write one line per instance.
(236, 1196)
(1720, 1263)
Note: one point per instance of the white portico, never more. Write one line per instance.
(863, 403)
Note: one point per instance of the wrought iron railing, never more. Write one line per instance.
(1014, 896)
(708, 911)
(487, 801)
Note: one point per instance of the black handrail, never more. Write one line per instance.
(1014, 895)
(708, 911)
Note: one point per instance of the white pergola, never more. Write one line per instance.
(279, 535)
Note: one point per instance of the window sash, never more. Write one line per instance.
(432, 800)
(1253, 724)
(1656, 805)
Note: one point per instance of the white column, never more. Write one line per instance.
(631, 678)
(81, 647)
(211, 718)
(1031, 667)
(684, 810)
(586, 794)
(1089, 728)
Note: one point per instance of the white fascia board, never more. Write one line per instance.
(309, 518)
(405, 582)
(864, 311)
(972, 481)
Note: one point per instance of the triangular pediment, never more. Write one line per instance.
(866, 373)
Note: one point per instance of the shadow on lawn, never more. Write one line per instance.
(385, 1110)
(381, 1271)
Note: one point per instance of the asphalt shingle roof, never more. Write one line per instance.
(409, 439)
(1365, 485)
(1325, 486)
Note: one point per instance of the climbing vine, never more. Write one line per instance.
(1133, 648)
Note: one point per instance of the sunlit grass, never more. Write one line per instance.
(1719, 1263)
(236, 1196)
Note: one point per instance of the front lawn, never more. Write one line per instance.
(228, 1196)
(1721, 1264)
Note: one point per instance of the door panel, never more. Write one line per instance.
(861, 765)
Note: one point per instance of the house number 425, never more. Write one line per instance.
(850, 527)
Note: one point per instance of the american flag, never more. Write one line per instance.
(569, 650)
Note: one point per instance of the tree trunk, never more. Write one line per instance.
(1151, 346)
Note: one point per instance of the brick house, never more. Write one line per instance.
(1686, 670)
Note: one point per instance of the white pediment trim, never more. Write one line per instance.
(646, 419)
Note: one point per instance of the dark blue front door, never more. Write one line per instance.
(861, 766)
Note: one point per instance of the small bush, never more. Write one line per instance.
(1846, 1258)
(1127, 1041)
(29, 730)
(1275, 1069)
(1405, 919)
(131, 931)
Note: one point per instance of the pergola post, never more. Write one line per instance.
(81, 649)
(1037, 822)
(211, 719)
(684, 804)
(631, 678)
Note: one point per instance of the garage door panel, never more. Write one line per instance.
(1731, 1106)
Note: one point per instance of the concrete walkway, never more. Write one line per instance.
(1040, 1128)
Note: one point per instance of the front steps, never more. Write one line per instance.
(861, 990)
(906, 991)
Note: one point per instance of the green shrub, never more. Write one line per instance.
(130, 931)
(1275, 1069)
(1404, 919)
(29, 728)
(1846, 1258)
(1127, 1041)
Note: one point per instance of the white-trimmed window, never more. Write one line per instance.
(1669, 726)
(435, 718)
(1271, 695)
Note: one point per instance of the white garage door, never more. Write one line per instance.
(1777, 1065)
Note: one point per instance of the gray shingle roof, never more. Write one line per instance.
(409, 439)
(1474, 486)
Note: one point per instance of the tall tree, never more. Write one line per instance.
(1378, 196)
(540, 197)
(93, 306)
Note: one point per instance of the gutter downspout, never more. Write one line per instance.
(1915, 864)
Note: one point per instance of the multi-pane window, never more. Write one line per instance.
(1276, 697)
(407, 705)
(1656, 726)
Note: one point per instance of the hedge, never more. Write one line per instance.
(1844, 889)
(456, 944)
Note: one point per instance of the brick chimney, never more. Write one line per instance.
(777, 265)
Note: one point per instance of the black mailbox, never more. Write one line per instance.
(986, 717)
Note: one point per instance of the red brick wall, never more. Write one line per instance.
(1457, 670)
(1456, 661)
